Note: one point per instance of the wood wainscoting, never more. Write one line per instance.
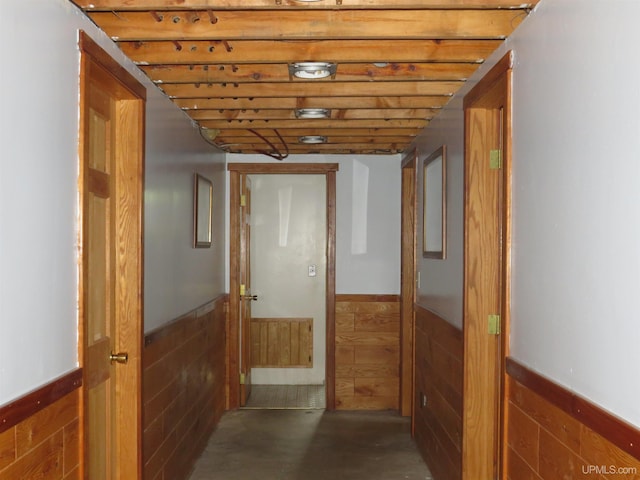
(552, 433)
(437, 402)
(184, 390)
(281, 342)
(367, 352)
(40, 432)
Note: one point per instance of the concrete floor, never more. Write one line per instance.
(310, 445)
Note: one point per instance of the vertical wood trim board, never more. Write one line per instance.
(367, 352)
(184, 390)
(552, 433)
(438, 380)
(43, 441)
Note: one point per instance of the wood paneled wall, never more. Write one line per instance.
(281, 342)
(553, 434)
(367, 352)
(40, 433)
(184, 390)
(438, 394)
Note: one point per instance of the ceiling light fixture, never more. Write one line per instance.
(313, 113)
(310, 139)
(312, 70)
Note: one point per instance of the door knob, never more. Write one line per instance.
(120, 357)
(250, 297)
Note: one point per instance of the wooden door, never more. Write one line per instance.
(486, 270)
(245, 289)
(111, 282)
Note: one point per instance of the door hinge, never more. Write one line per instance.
(495, 159)
(494, 324)
(243, 289)
(243, 200)
(242, 379)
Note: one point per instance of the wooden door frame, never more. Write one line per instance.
(488, 113)
(235, 171)
(129, 174)
(408, 280)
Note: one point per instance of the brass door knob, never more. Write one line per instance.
(250, 297)
(120, 357)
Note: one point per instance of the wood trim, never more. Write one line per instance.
(283, 168)
(491, 77)
(233, 359)
(330, 346)
(617, 431)
(235, 172)
(31, 403)
(357, 297)
(487, 236)
(408, 282)
(90, 47)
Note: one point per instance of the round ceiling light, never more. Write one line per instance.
(312, 70)
(313, 113)
(311, 139)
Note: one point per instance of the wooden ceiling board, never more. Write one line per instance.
(226, 64)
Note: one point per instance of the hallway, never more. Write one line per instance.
(310, 445)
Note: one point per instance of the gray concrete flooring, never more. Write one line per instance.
(310, 445)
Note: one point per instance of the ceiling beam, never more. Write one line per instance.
(348, 72)
(122, 5)
(310, 24)
(300, 89)
(335, 132)
(281, 124)
(277, 51)
(350, 114)
(383, 101)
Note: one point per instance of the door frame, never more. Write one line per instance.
(129, 174)
(487, 261)
(233, 351)
(408, 280)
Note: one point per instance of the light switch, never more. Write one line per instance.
(312, 270)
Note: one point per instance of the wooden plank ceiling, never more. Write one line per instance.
(226, 64)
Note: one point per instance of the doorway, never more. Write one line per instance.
(269, 312)
(288, 282)
(110, 296)
(487, 242)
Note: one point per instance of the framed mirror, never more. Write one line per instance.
(434, 199)
(202, 211)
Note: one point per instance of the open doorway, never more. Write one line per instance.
(288, 286)
(274, 282)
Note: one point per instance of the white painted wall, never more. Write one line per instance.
(367, 255)
(38, 196)
(289, 233)
(576, 191)
(178, 277)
